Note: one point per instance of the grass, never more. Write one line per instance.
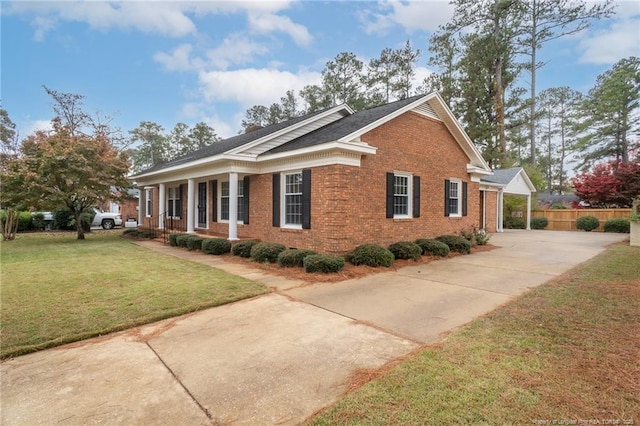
(567, 351)
(56, 289)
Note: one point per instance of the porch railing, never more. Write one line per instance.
(170, 225)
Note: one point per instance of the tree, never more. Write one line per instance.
(558, 114)
(546, 20)
(342, 80)
(492, 26)
(202, 135)
(379, 74)
(610, 184)
(179, 141)
(67, 107)
(404, 70)
(315, 97)
(611, 114)
(62, 169)
(154, 145)
(260, 115)
(10, 183)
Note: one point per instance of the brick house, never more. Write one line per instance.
(330, 180)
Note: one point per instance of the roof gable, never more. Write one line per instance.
(514, 180)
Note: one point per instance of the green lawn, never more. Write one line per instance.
(56, 289)
(568, 351)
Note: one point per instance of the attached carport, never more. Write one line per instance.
(512, 181)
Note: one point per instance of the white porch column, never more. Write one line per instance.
(191, 206)
(162, 205)
(142, 202)
(500, 210)
(529, 212)
(233, 206)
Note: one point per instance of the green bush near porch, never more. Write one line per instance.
(243, 248)
(371, 255)
(324, 263)
(266, 252)
(433, 247)
(216, 246)
(456, 243)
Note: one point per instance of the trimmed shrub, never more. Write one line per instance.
(620, 225)
(216, 246)
(243, 248)
(539, 222)
(433, 247)
(406, 250)
(146, 233)
(37, 221)
(181, 240)
(131, 231)
(587, 223)
(371, 255)
(173, 239)
(514, 223)
(194, 242)
(293, 257)
(456, 243)
(266, 252)
(324, 263)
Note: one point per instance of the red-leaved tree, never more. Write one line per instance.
(608, 185)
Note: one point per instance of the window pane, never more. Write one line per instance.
(401, 196)
(293, 199)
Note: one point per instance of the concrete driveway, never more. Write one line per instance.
(278, 358)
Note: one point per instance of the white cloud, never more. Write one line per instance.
(411, 15)
(235, 50)
(266, 23)
(610, 45)
(179, 59)
(251, 86)
(165, 18)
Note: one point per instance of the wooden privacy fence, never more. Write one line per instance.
(565, 219)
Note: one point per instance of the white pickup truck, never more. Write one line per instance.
(106, 219)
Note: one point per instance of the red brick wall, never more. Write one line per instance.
(491, 206)
(349, 203)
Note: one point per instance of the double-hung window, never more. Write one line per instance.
(455, 198)
(224, 200)
(293, 199)
(149, 206)
(174, 203)
(403, 195)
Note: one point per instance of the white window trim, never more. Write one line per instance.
(175, 189)
(409, 177)
(220, 219)
(283, 199)
(148, 197)
(459, 197)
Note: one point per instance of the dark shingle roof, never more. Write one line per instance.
(233, 142)
(502, 176)
(344, 126)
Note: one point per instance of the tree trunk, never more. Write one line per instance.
(499, 93)
(79, 228)
(532, 112)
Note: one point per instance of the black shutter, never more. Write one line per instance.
(446, 196)
(416, 196)
(464, 198)
(276, 199)
(245, 188)
(306, 199)
(390, 190)
(179, 206)
(214, 199)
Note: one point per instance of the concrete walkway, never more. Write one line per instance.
(277, 358)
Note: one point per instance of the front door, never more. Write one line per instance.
(202, 205)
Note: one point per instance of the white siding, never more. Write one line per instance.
(425, 109)
(295, 133)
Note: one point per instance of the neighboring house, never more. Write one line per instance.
(128, 207)
(330, 180)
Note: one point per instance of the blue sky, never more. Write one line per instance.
(209, 61)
